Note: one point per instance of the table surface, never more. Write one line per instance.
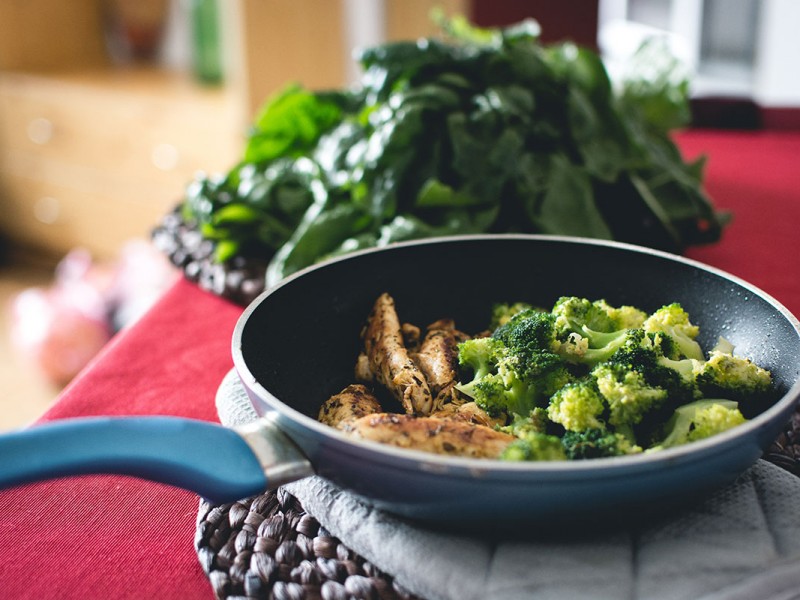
(112, 536)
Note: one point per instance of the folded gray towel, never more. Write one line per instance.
(741, 543)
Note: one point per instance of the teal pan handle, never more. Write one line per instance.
(218, 463)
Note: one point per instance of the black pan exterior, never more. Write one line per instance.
(297, 344)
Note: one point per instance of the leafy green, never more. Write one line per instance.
(484, 130)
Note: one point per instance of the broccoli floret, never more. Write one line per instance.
(528, 381)
(727, 376)
(577, 406)
(674, 321)
(627, 393)
(481, 355)
(591, 332)
(623, 317)
(502, 313)
(535, 446)
(510, 380)
(699, 420)
(575, 314)
(596, 443)
(644, 354)
(489, 393)
(535, 422)
(528, 331)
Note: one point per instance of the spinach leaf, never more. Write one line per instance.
(483, 130)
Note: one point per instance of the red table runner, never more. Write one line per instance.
(119, 537)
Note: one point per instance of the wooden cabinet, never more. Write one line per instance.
(93, 153)
(95, 158)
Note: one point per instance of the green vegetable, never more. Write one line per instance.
(534, 446)
(699, 420)
(604, 381)
(485, 130)
(596, 443)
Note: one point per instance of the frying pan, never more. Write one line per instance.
(296, 344)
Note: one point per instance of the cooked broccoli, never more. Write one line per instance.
(535, 446)
(674, 321)
(699, 420)
(519, 384)
(528, 331)
(578, 314)
(514, 371)
(736, 378)
(501, 313)
(605, 381)
(645, 354)
(628, 394)
(577, 406)
(481, 355)
(590, 332)
(596, 443)
(535, 422)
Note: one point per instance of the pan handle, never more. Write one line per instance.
(220, 464)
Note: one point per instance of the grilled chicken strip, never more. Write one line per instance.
(429, 434)
(363, 372)
(411, 336)
(389, 360)
(468, 412)
(353, 402)
(438, 354)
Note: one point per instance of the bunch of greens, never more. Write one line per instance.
(482, 131)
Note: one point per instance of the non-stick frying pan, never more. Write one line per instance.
(297, 343)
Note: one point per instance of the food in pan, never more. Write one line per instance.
(583, 379)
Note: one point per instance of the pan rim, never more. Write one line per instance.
(411, 459)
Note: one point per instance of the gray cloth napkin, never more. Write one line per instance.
(741, 543)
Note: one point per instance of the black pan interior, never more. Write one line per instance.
(302, 340)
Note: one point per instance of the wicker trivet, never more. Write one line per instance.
(240, 280)
(268, 547)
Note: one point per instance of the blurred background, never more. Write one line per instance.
(108, 108)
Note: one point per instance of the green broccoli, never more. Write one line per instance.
(590, 332)
(674, 321)
(699, 420)
(577, 406)
(528, 331)
(587, 380)
(502, 313)
(596, 443)
(534, 446)
(481, 355)
(514, 370)
(721, 375)
(645, 354)
(736, 378)
(628, 394)
(579, 314)
(535, 422)
(519, 384)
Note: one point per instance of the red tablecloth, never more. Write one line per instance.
(118, 537)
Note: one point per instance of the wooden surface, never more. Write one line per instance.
(94, 158)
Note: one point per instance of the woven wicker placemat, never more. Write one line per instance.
(269, 547)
